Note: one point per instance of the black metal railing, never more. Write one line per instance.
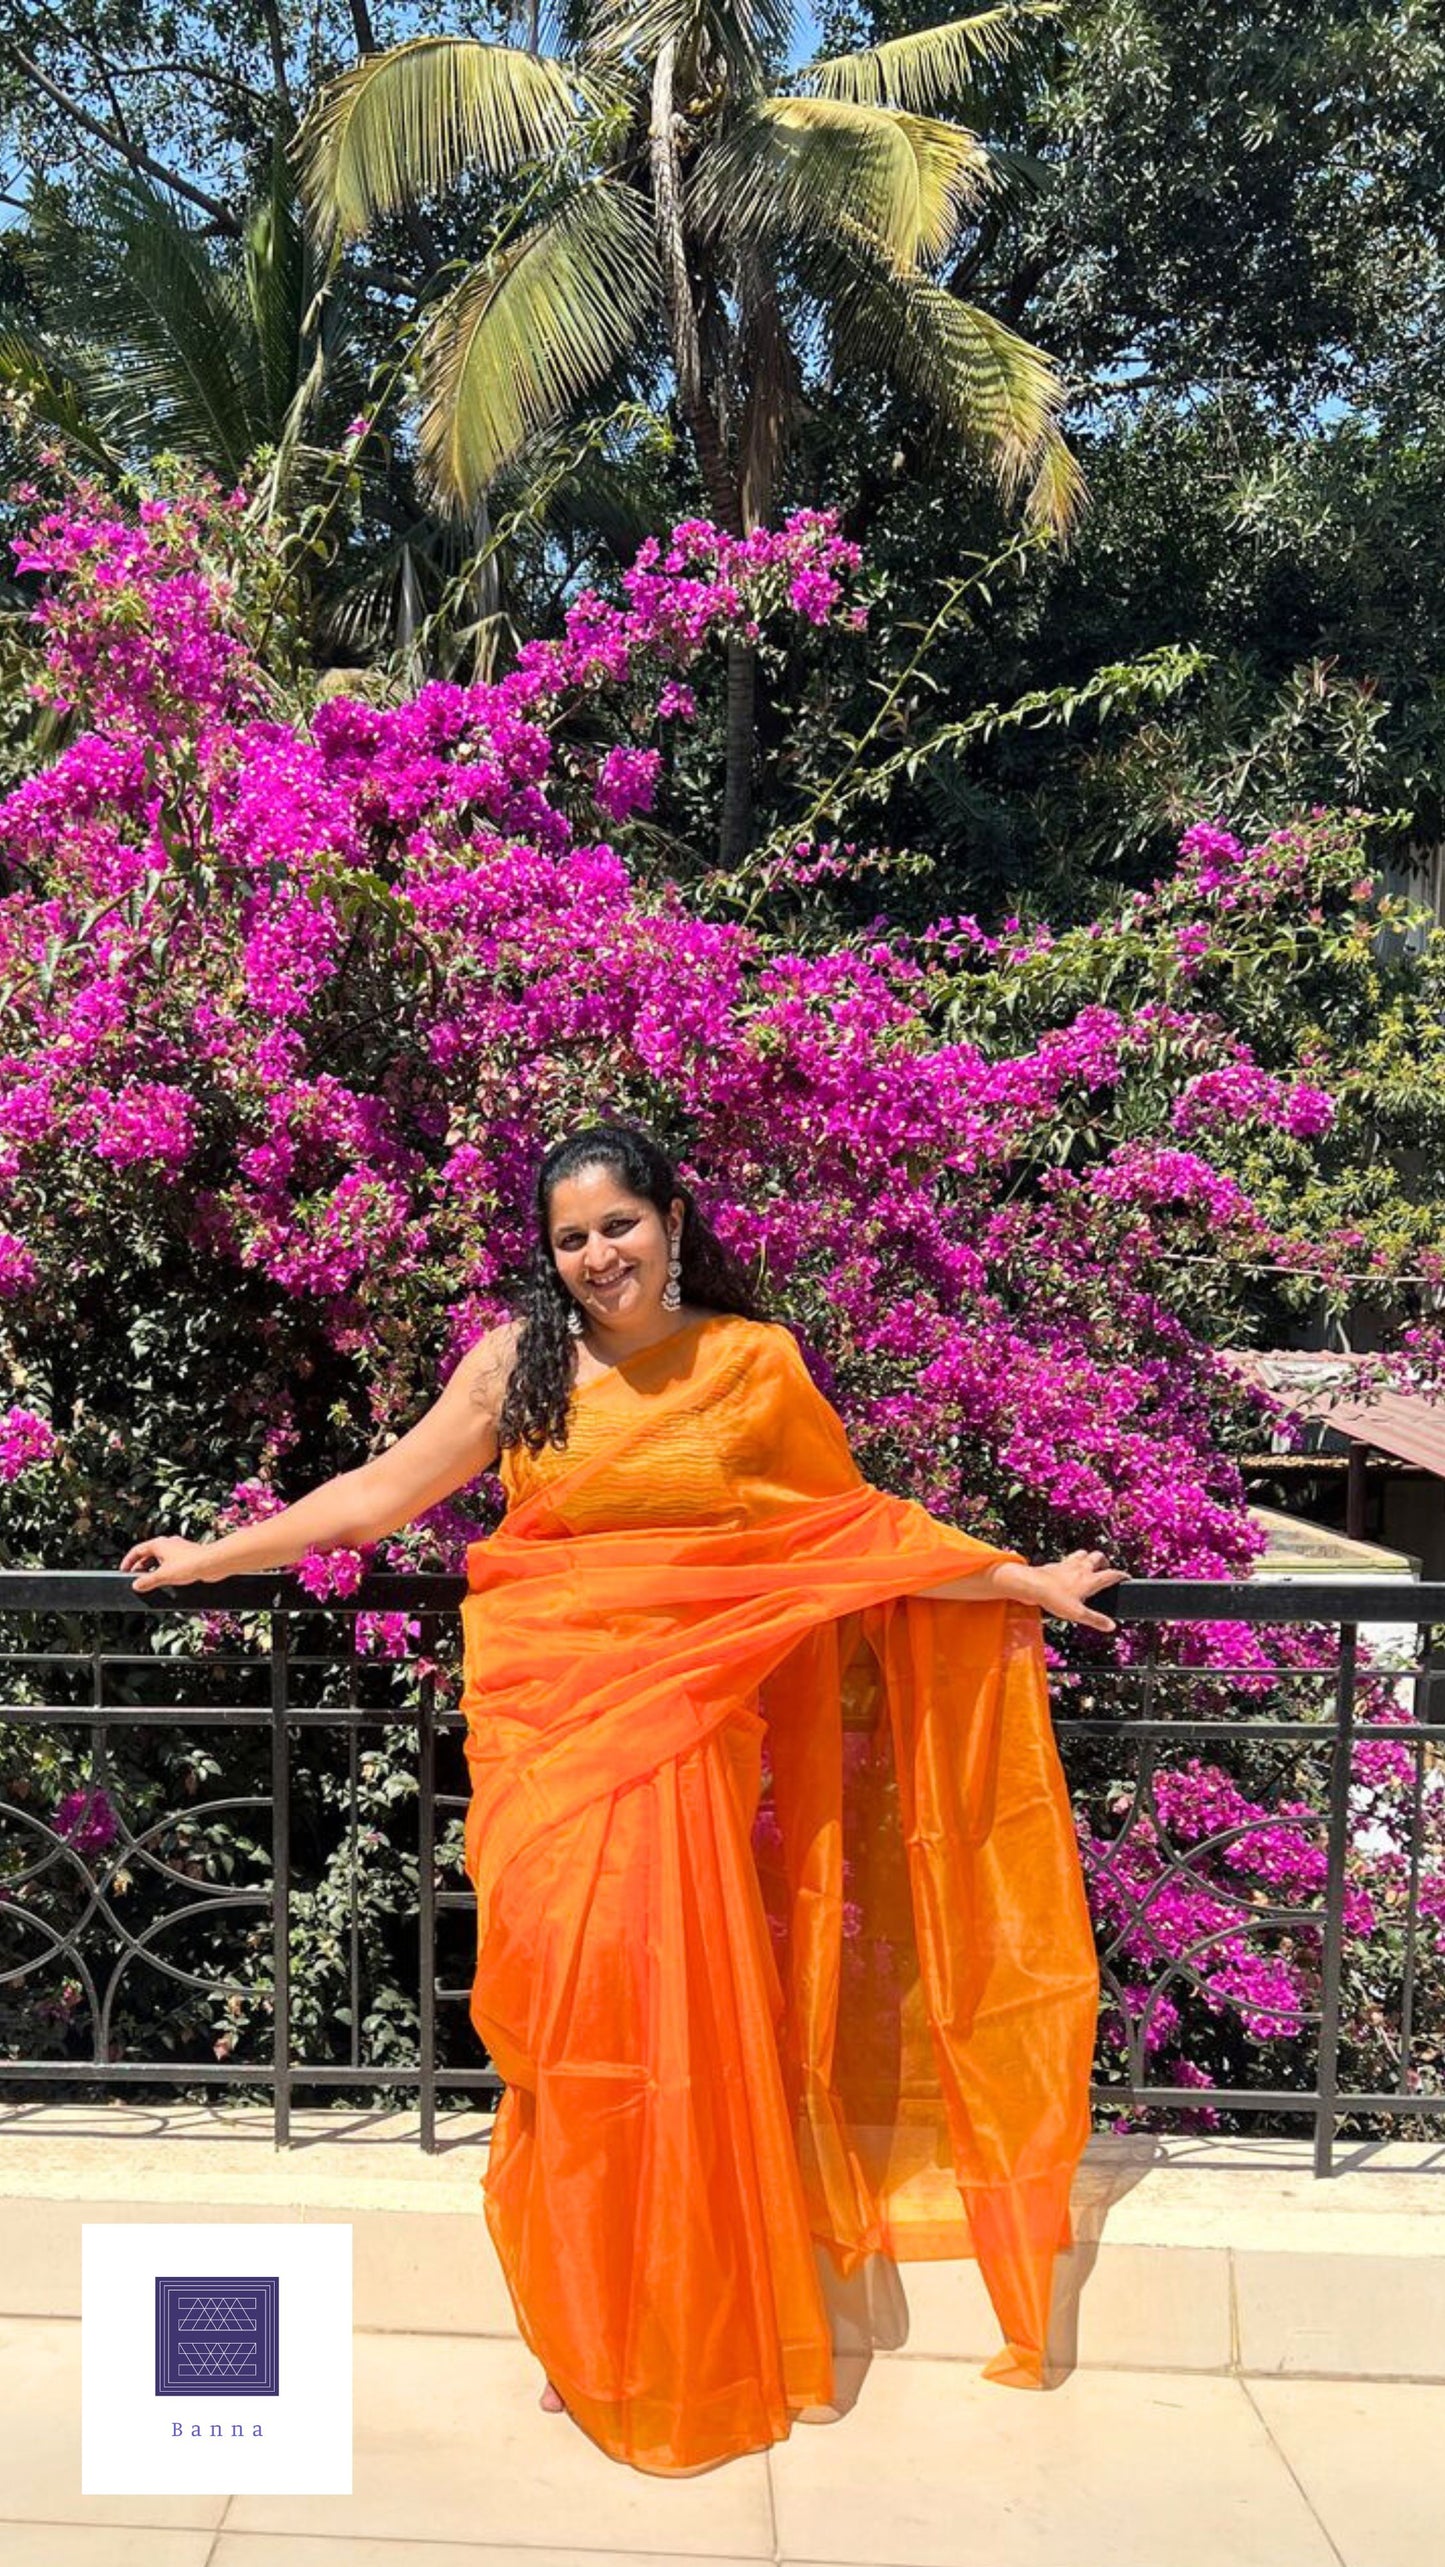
(1173, 1892)
(1322, 1726)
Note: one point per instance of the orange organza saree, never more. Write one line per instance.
(781, 1925)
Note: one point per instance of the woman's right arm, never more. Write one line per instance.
(447, 1448)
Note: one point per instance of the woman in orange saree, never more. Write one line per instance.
(782, 1938)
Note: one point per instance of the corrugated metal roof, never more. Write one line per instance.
(1322, 1386)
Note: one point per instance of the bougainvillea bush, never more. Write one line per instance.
(294, 992)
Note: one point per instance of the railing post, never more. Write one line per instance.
(426, 1898)
(280, 1622)
(1341, 1768)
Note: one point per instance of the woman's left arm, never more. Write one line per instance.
(1059, 1587)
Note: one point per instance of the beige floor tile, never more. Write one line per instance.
(257, 2549)
(935, 2467)
(1367, 2453)
(100, 2544)
(227, 2155)
(426, 2273)
(1126, 2307)
(40, 2437)
(449, 2433)
(40, 2245)
(40, 2257)
(1376, 2317)
(432, 2275)
(1150, 2307)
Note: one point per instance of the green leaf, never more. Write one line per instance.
(812, 166)
(933, 67)
(526, 336)
(55, 397)
(742, 39)
(277, 291)
(996, 388)
(407, 124)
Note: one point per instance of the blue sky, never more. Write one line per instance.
(805, 32)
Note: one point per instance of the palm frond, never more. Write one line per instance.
(1018, 174)
(596, 479)
(407, 123)
(933, 67)
(742, 34)
(999, 392)
(161, 318)
(1057, 491)
(955, 170)
(636, 30)
(54, 395)
(289, 446)
(555, 26)
(808, 167)
(278, 288)
(533, 331)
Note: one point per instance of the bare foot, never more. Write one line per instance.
(551, 2400)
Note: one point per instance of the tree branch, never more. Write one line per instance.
(277, 43)
(134, 154)
(180, 66)
(86, 36)
(116, 109)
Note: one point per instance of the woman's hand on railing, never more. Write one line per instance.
(1061, 1587)
(176, 1562)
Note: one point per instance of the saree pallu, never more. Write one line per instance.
(781, 1926)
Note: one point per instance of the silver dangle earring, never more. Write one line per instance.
(574, 1320)
(672, 1289)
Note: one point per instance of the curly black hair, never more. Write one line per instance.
(534, 1409)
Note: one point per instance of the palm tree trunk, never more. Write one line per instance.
(737, 808)
(771, 375)
(719, 481)
(700, 417)
(486, 587)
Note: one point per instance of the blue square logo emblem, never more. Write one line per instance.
(216, 2335)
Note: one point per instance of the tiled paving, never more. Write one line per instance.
(457, 2466)
(1193, 2423)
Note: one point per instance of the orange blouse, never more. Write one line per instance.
(782, 1936)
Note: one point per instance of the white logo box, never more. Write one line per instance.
(136, 2440)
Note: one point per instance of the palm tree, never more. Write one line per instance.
(679, 205)
(161, 335)
(148, 331)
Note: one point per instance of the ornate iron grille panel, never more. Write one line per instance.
(211, 1903)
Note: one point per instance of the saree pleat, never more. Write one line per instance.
(782, 1939)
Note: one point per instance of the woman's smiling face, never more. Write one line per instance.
(610, 1247)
